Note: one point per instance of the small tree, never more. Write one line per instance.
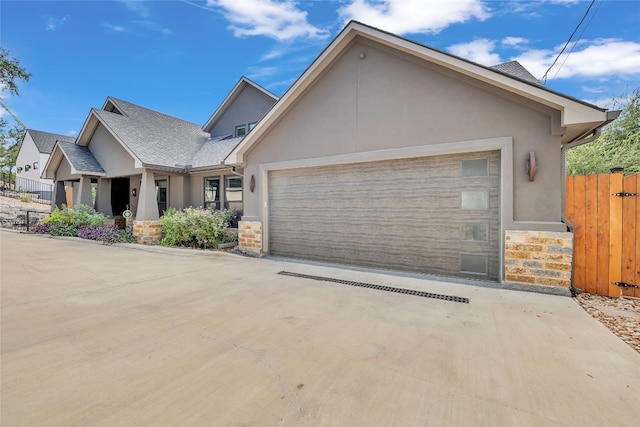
(10, 136)
(618, 146)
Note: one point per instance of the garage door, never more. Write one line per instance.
(437, 214)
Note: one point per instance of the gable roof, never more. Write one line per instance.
(578, 118)
(45, 141)
(80, 159)
(150, 137)
(231, 97)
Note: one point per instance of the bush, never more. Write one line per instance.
(67, 221)
(230, 236)
(108, 234)
(194, 227)
(42, 228)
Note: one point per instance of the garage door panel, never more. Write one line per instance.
(403, 214)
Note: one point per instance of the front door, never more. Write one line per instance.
(161, 195)
(119, 195)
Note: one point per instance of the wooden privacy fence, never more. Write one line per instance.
(605, 211)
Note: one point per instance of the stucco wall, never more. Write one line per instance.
(248, 107)
(27, 156)
(63, 172)
(115, 160)
(391, 101)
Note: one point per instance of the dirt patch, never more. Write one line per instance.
(620, 315)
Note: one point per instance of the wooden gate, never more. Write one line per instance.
(605, 211)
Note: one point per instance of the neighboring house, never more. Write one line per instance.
(390, 154)
(147, 162)
(34, 154)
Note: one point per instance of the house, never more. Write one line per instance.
(390, 154)
(35, 151)
(146, 162)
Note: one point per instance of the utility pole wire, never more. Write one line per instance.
(595, 12)
(13, 115)
(544, 78)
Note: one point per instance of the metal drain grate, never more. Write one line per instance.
(379, 287)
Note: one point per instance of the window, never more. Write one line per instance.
(472, 263)
(27, 167)
(475, 200)
(476, 232)
(35, 165)
(161, 195)
(251, 126)
(212, 193)
(241, 130)
(475, 167)
(233, 192)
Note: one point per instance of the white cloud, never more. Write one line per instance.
(55, 23)
(72, 133)
(413, 16)
(137, 6)
(600, 58)
(116, 28)
(514, 41)
(480, 51)
(280, 20)
(257, 73)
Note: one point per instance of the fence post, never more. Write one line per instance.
(615, 233)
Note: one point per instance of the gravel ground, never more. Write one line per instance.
(620, 315)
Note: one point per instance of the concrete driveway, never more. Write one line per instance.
(109, 336)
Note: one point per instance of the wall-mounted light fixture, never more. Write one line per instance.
(134, 192)
(531, 165)
(362, 55)
(35, 165)
(252, 183)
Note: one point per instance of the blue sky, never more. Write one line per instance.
(182, 57)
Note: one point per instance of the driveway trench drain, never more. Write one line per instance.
(379, 287)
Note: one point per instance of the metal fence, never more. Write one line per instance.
(27, 220)
(24, 189)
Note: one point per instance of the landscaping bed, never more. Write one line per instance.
(620, 315)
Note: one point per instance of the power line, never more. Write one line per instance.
(544, 78)
(595, 12)
(12, 115)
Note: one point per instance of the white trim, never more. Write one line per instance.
(503, 144)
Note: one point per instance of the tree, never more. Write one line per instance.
(10, 72)
(10, 140)
(618, 146)
(10, 136)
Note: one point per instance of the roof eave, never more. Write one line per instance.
(573, 111)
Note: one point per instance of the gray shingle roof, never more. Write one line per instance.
(80, 157)
(515, 69)
(45, 141)
(156, 138)
(213, 151)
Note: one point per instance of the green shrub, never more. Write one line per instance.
(194, 227)
(67, 221)
(25, 197)
(230, 236)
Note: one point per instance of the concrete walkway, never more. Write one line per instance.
(97, 335)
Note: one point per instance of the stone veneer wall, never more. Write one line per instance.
(250, 236)
(147, 232)
(538, 260)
